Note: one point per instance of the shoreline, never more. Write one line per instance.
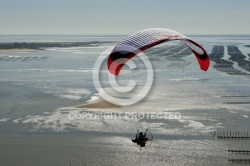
(13, 47)
(15, 50)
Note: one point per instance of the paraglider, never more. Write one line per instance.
(145, 39)
(142, 138)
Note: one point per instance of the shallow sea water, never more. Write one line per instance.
(39, 89)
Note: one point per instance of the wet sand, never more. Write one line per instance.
(100, 104)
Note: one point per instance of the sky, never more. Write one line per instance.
(124, 16)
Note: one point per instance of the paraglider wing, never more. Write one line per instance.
(145, 39)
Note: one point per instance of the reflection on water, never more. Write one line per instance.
(114, 150)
